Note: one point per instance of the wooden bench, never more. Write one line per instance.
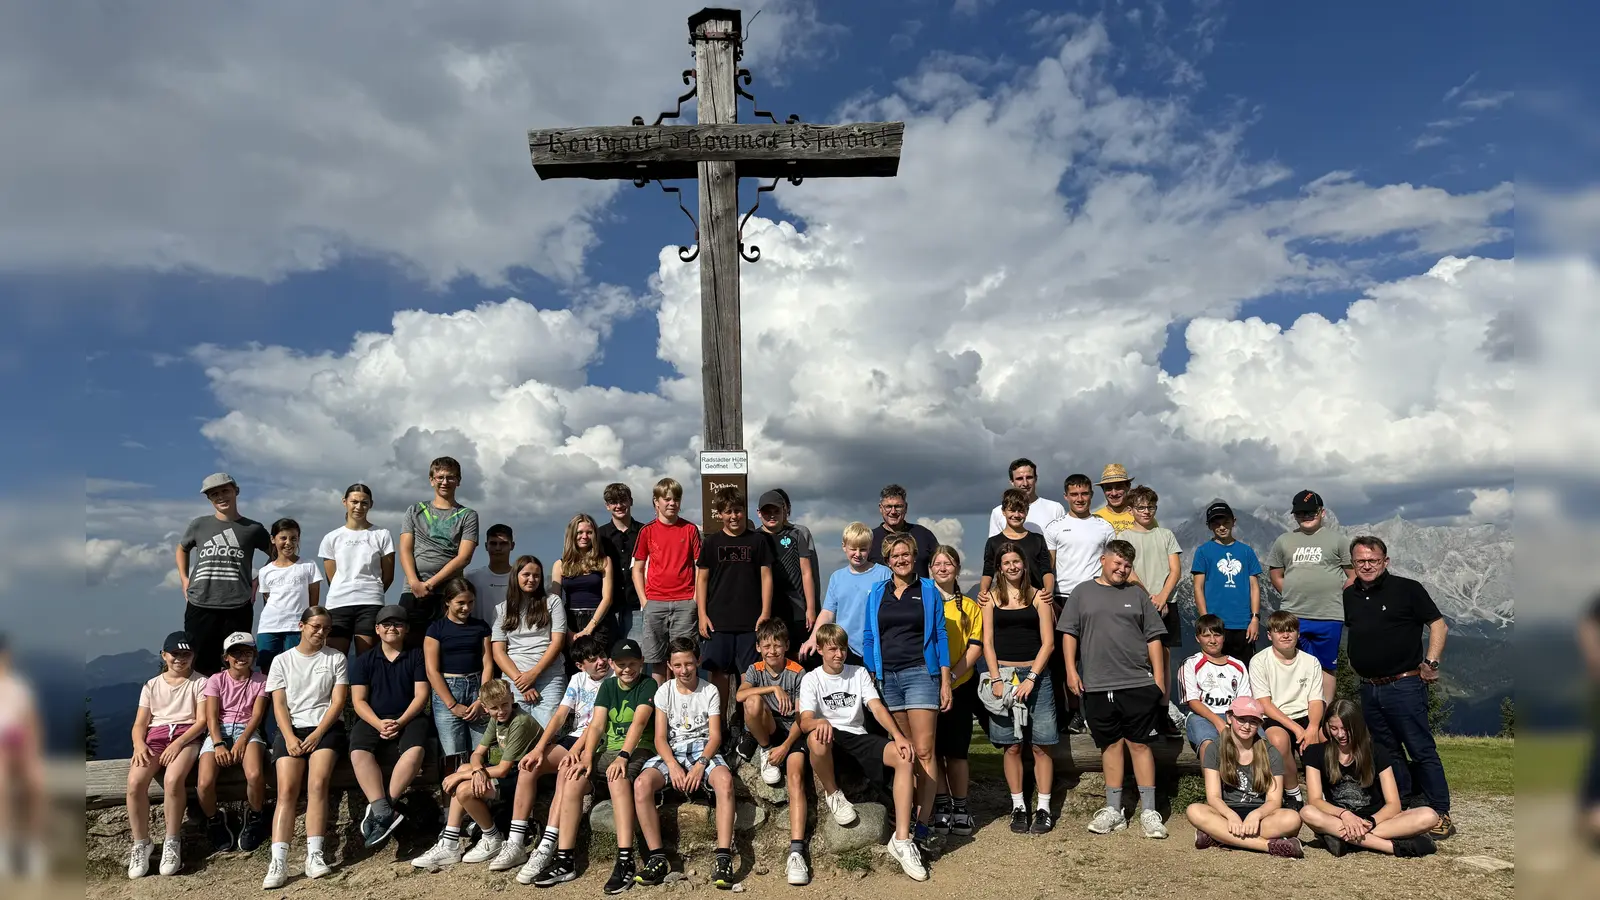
(105, 781)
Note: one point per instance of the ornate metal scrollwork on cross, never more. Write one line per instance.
(754, 253)
(745, 76)
(686, 254)
(688, 76)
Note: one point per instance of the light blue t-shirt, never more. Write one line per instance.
(1228, 569)
(847, 597)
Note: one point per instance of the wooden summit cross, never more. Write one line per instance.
(718, 152)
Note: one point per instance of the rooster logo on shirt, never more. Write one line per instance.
(1229, 567)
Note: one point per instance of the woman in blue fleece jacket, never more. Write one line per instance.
(904, 646)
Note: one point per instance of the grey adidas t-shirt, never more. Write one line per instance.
(1114, 627)
(1313, 572)
(437, 535)
(222, 560)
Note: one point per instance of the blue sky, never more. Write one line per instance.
(1403, 111)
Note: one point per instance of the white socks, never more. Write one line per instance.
(1044, 801)
(280, 852)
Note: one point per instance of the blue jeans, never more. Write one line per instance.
(1397, 717)
(1199, 729)
(458, 736)
(1041, 718)
(550, 686)
(911, 688)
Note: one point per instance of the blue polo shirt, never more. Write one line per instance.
(391, 686)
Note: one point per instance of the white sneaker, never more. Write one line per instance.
(905, 853)
(1107, 820)
(316, 864)
(1150, 821)
(444, 853)
(770, 773)
(171, 856)
(844, 812)
(799, 873)
(139, 859)
(511, 855)
(1176, 715)
(488, 848)
(277, 875)
(537, 860)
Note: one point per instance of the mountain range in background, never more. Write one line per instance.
(1466, 569)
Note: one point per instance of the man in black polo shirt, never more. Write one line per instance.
(892, 506)
(1384, 615)
(389, 693)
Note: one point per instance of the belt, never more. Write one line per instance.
(1391, 679)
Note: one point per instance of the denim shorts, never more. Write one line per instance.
(458, 736)
(911, 688)
(1041, 718)
(687, 757)
(232, 731)
(1199, 730)
(550, 686)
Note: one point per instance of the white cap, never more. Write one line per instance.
(239, 639)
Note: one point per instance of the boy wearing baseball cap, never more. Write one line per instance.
(233, 708)
(794, 582)
(1227, 583)
(389, 692)
(1310, 567)
(216, 562)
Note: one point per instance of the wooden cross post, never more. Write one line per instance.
(718, 152)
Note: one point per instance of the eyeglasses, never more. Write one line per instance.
(891, 507)
(1150, 508)
(448, 479)
(391, 625)
(1369, 563)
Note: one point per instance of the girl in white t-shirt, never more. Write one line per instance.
(287, 586)
(309, 688)
(165, 736)
(358, 560)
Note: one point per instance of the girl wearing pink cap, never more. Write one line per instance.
(1244, 790)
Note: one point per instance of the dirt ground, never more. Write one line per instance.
(992, 863)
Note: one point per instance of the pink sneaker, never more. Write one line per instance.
(1288, 848)
(1203, 841)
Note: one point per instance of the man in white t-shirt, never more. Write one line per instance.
(1041, 511)
(1076, 541)
(832, 708)
(490, 582)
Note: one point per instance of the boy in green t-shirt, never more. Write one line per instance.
(476, 784)
(605, 754)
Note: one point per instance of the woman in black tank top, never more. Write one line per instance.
(583, 577)
(1017, 635)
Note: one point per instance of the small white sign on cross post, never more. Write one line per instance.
(718, 152)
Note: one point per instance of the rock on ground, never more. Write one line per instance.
(867, 831)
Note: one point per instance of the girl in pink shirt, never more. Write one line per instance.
(164, 737)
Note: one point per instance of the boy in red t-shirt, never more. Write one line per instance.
(663, 576)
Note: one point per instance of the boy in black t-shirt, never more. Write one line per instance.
(794, 579)
(1035, 553)
(389, 693)
(733, 590)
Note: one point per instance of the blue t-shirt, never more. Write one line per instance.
(847, 597)
(391, 686)
(460, 646)
(1228, 569)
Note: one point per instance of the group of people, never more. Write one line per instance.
(651, 654)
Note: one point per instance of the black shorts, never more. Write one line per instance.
(415, 733)
(952, 736)
(1174, 623)
(579, 619)
(208, 627)
(865, 750)
(1241, 810)
(1294, 746)
(729, 652)
(334, 740)
(1370, 813)
(568, 742)
(420, 613)
(780, 733)
(1131, 714)
(1236, 645)
(353, 621)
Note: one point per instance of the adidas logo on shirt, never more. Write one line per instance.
(224, 544)
(220, 558)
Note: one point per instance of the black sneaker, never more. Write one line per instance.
(1019, 821)
(1421, 845)
(621, 877)
(928, 842)
(559, 872)
(747, 746)
(1076, 724)
(220, 833)
(253, 829)
(655, 870)
(1043, 822)
(1335, 845)
(1294, 803)
(722, 872)
(961, 824)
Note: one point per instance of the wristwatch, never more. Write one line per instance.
(1432, 664)
(625, 755)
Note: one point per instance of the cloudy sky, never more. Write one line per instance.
(1242, 253)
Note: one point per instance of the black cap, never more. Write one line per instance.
(627, 648)
(771, 498)
(392, 611)
(1218, 510)
(177, 642)
(1306, 502)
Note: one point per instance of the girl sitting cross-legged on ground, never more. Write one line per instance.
(1244, 790)
(1351, 796)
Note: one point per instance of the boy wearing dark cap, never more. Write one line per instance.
(1227, 583)
(389, 692)
(794, 583)
(1310, 567)
(216, 565)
